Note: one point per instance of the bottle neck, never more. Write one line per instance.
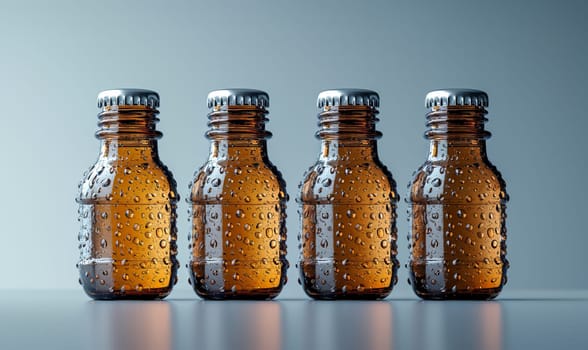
(128, 133)
(353, 150)
(456, 123)
(238, 123)
(467, 152)
(457, 133)
(129, 150)
(348, 133)
(248, 151)
(348, 123)
(238, 133)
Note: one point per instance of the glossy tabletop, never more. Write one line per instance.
(70, 320)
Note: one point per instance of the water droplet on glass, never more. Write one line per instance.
(491, 232)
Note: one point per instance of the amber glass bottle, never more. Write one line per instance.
(127, 204)
(238, 202)
(348, 204)
(457, 204)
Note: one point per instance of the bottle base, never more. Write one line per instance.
(441, 280)
(106, 281)
(347, 296)
(340, 294)
(152, 294)
(261, 294)
(352, 283)
(236, 282)
(480, 294)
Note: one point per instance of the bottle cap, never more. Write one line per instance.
(348, 97)
(237, 97)
(456, 97)
(128, 97)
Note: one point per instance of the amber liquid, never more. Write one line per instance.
(128, 234)
(348, 238)
(458, 235)
(238, 237)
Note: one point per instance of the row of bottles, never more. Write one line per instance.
(347, 204)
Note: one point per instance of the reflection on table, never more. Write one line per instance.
(462, 324)
(236, 324)
(69, 320)
(347, 325)
(129, 325)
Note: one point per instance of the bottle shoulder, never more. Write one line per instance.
(476, 182)
(348, 182)
(238, 182)
(117, 182)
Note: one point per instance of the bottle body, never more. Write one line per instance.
(457, 212)
(127, 214)
(348, 238)
(348, 211)
(238, 202)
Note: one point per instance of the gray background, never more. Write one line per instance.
(530, 56)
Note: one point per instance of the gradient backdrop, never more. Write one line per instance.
(530, 56)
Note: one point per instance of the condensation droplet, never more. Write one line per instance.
(351, 213)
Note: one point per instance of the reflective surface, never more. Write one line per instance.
(69, 320)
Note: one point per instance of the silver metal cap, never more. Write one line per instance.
(237, 97)
(348, 97)
(128, 97)
(456, 97)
